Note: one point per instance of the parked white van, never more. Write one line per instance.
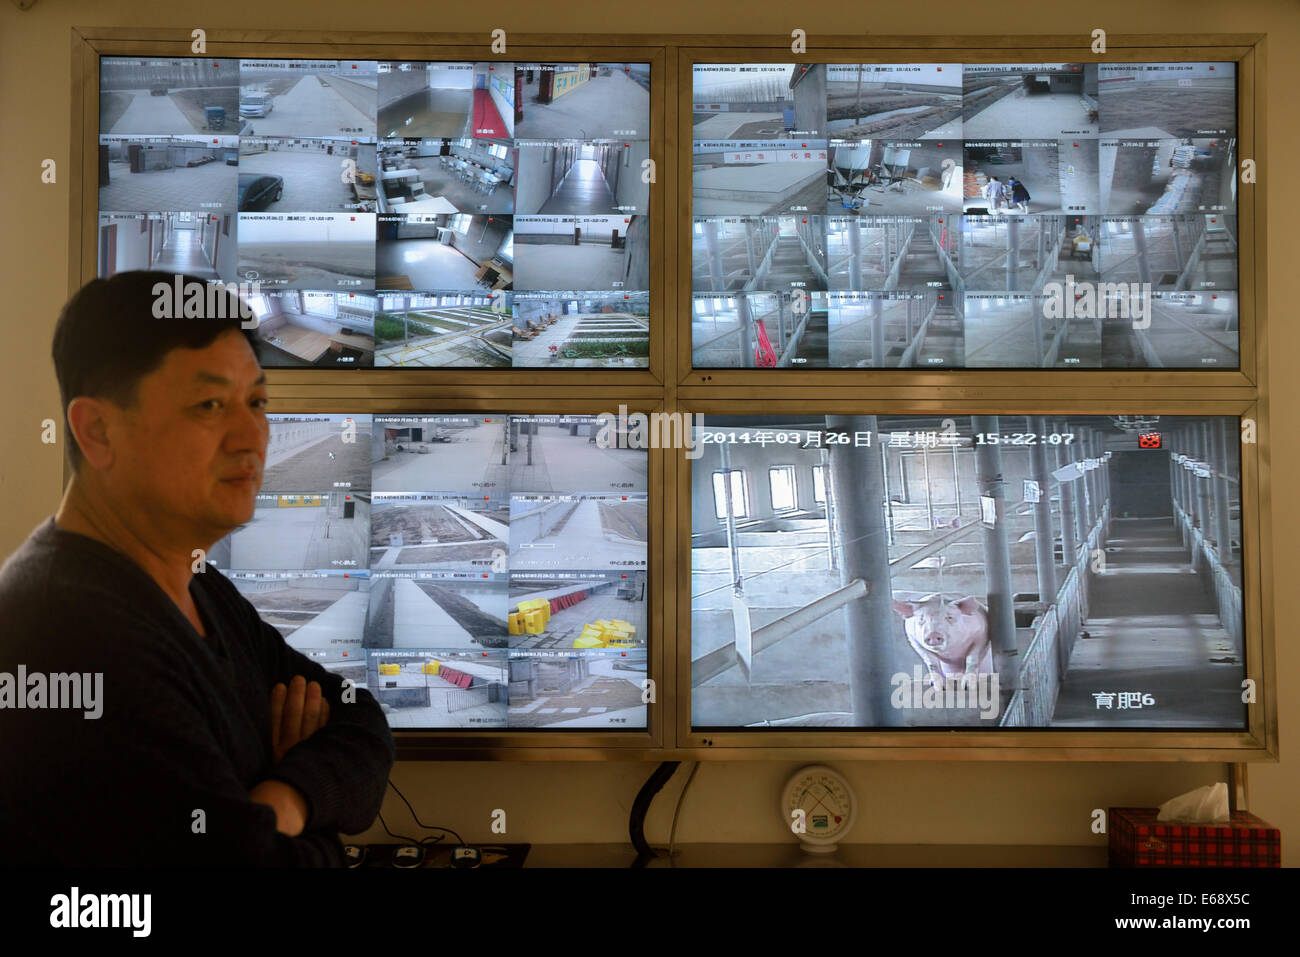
(254, 103)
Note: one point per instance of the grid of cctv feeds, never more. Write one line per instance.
(1024, 215)
(393, 214)
(445, 563)
(485, 571)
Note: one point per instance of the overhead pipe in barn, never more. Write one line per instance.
(1104, 471)
(1044, 544)
(733, 545)
(1013, 253)
(877, 333)
(1140, 247)
(997, 557)
(1069, 541)
(1098, 483)
(713, 251)
(1207, 483)
(832, 547)
(1090, 480)
(1074, 456)
(1174, 489)
(1184, 485)
(889, 501)
(1198, 499)
(746, 333)
(855, 257)
(1223, 524)
(1098, 476)
(855, 475)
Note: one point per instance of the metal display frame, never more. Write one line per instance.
(671, 385)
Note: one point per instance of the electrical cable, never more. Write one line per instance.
(401, 837)
(636, 818)
(681, 798)
(427, 827)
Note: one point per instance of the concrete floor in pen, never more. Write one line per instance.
(1154, 629)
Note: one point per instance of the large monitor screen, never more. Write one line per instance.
(471, 571)
(873, 571)
(392, 214)
(964, 216)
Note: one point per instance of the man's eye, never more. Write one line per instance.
(261, 403)
(210, 404)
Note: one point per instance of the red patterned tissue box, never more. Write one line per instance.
(1137, 839)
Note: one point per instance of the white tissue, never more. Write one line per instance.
(1205, 805)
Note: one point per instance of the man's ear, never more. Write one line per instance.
(87, 418)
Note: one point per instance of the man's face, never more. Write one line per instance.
(191, 451)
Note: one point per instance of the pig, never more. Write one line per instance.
(952, 637)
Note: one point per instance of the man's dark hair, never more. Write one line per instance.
(109, 336)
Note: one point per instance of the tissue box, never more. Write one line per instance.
(1137, 839)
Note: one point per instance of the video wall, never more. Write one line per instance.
(964, 216)
(487, 571)
(891, 571)
(468, 570)
(404, 214)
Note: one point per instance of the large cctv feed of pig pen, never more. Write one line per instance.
(1053, 571)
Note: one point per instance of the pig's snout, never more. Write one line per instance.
(934, 639)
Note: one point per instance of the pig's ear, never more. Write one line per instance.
(970, 603)
(905, 608)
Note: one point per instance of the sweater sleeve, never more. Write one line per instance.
(148, 782)
(341, 770)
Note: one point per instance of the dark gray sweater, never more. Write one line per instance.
(185, 723)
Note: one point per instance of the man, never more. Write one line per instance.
(200, 737)
(993, 193)
(1019, 195)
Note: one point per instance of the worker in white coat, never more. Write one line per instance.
(993, 193)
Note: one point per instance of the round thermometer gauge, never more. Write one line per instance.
(819, 807)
